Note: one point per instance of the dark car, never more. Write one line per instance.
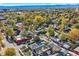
(10, 39)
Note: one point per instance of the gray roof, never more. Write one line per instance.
(2, 18)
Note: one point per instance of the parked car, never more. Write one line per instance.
(20, 40)
(10, 39)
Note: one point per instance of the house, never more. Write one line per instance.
(76, 50)
(2, 19)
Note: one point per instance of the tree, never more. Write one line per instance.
(1, 38)
(29, 21)
(73, 21)
(26, 28)
(76, 26)
(73, 34)
(51, 31)
(12, 22)
(61, 26)
(6, 17)
(64, 21)
(63, 36)
(37, 38)
(56, 21)
(20, 18)
(43, 31)
(9, 52)
(1, 24)
(38, 19)
(24, 34)
(10, 32)
(46, 19)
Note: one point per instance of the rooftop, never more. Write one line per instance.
(2, 18)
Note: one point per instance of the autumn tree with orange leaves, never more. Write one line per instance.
(73, 34)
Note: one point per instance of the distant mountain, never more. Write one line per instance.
(39, 6)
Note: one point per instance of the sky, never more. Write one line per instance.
(38, 1)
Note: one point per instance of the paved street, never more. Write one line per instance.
(10, 45)
(56, 43)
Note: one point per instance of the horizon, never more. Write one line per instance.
(34, 4)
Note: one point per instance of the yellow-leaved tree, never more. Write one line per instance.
(38, 18)
(1, 38)
(9, 52)
(9, 31)
(73, 34)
